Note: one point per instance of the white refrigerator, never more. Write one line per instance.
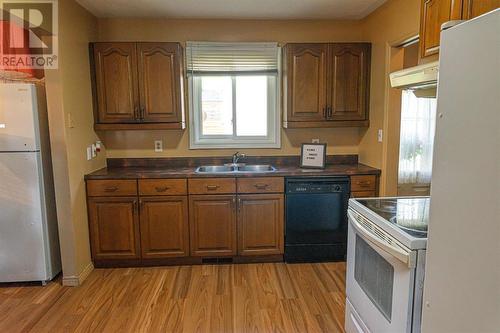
(462, 274)
(29, 242)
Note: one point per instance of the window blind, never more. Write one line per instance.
(209, 58)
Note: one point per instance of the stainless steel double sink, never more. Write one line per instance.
(237, 168)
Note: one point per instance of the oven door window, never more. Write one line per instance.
(375, 276)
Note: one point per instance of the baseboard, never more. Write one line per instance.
(77, 280)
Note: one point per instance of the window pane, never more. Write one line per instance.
(418, 122)
(251, 105)
(216, 105)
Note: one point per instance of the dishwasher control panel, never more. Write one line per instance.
(331, 185)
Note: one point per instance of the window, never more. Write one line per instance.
(418, 122)
(233, 95)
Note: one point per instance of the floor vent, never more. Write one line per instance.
(215, 261)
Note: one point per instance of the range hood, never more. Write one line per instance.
(423, 77)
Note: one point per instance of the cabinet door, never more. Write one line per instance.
(305, 76)
(260, 224)
(164, 227)
(348, 81)
(116, 82)
(159, 68)
(433, 14)
(114, 228)
(212, 222)
(473, 8)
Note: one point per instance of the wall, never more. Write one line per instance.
(391, 23)
(176, 143)
(69, 93)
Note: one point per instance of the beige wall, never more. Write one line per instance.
(69, 92)
(176, 143)
(393, 22)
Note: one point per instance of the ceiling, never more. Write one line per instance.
(233, 9)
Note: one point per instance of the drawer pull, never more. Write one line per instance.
(261, 186)
(162, 189)
(212, 187)
(111, 189)
(364, 183)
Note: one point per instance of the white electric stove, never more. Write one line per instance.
(387, 238)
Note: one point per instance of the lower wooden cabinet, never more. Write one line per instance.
(212, 222)
(164, 227)
(260, 224)
(114, 228)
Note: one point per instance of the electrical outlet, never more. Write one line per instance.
(158, 146)
(379, 135)
(315, 140)
(94, 150)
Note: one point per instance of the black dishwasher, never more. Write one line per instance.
(316, 219)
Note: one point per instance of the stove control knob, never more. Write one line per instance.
(337, 188)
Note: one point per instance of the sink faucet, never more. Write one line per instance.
(237, 156)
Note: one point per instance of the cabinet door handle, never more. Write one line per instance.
(330, 113)
(261, 186)
(136, 113)
(239, 205)
(136, 208)
(162, 189)
(143, 113)
(324, 112)
(212, 187)
(111, 189)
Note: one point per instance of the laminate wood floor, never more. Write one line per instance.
(210, 298)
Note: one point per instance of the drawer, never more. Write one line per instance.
(261, 185)
(212, 186)
(363, 194)
(363, 183)
(162, 186)
(105, 188)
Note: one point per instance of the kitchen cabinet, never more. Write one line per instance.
(348, 89)
(473, 8)
(114, 228)
(434, 13)
(306, 72)
(212, 221)
(260, 224)
(116, 85)
(326, 84)
(164, 227)
(137, 85)
(364, 186)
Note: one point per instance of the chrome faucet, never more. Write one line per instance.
(237, 156)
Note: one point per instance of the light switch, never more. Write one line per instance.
(94, 150)
(380, 135)
(89, 153)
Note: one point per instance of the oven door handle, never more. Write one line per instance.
(406, 257)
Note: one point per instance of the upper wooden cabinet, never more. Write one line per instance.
(137, 85)
(473, 8)
(348, 91)
(434, 13)
(306, 74)
(326, 85)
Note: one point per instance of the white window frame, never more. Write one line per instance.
(199, 141)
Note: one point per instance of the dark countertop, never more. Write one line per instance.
(189, 172)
